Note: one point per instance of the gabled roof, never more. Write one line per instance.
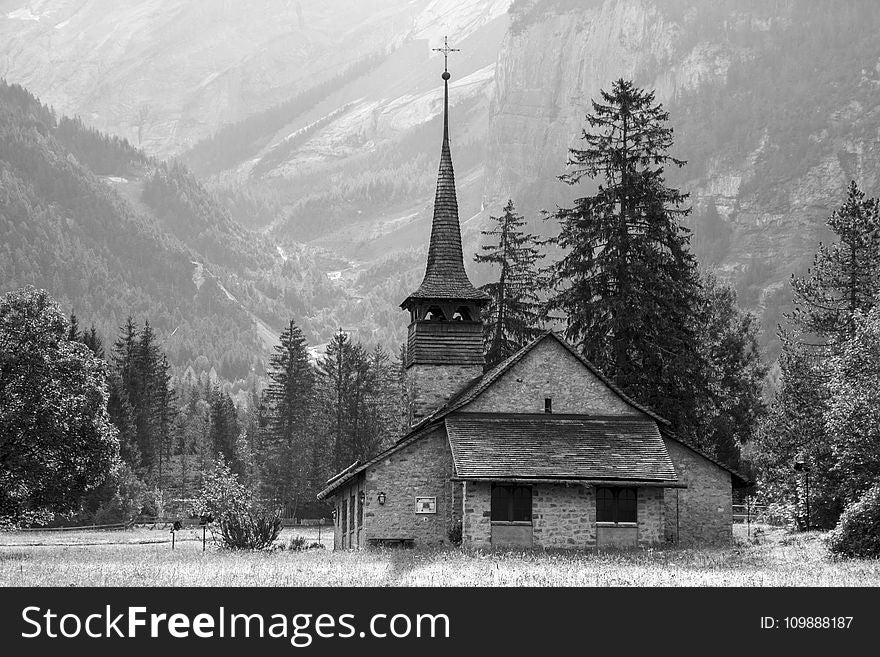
(467, 394)
(445, 276)
(489, 446)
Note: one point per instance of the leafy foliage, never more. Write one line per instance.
(254, 529)
(822, 415)
(858, 533)
(56, 439)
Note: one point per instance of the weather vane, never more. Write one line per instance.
(446, 50)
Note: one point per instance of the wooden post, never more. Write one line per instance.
(748, 518)
(172, 538)
(204, 535)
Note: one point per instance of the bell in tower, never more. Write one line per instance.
(445, 343)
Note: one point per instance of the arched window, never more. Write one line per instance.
(462, 314)
(435, 313)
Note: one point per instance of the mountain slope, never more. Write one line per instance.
(774, 106)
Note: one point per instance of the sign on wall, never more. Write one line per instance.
(426, 505)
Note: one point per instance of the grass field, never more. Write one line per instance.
(143, 558)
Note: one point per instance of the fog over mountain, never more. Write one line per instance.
(312, 130)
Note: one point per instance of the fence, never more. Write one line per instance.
(755, 514)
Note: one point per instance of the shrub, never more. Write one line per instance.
(297, 543)
(250, 529)
(222, 494)
(858, 532)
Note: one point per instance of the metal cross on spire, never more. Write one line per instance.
(446, 50)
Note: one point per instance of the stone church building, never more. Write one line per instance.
(540, 451)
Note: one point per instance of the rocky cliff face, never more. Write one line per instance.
(166, 73)
(774, 105)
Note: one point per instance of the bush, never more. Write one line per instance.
(858, 532)
(222, 494)
(252, 529)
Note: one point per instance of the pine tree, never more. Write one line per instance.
(91, 339)
(147, 396)
(73, 333)
(166, 414)
(289, 398)
(628, 282)
(512, 318)
(844, 279)
(335, 370)
(224, 431)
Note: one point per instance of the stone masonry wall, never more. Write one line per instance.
(701, 513)
(550, 370)
(476, 528)
(428, 387)
(562, 516)
(421, 469)
(650, 515)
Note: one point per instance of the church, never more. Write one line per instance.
(541, 451)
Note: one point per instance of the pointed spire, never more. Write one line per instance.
(445, 276)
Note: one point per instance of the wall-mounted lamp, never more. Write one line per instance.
(334, 513)
(362, 496)
(381, 497)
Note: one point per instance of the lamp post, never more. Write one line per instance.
(803, 466)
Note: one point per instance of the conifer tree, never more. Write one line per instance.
(628, 282)
(335, 370)
(512, 317)
(92, 340)
(73, 332)
(844, 279)
(289, 398)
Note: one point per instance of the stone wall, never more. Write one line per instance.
(550, 370)
(703, 512)
(562, 516)
(421, 469)
(428, 387)
(476, 530)
(650, 515)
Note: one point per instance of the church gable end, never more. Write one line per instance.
(550, 372)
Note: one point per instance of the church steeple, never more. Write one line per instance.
(445, 345)
(445, 276)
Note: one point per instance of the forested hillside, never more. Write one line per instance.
(111, 232)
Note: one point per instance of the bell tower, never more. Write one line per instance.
(444, 348)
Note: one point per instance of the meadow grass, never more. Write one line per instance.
(137, 558)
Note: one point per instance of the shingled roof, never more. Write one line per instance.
(566, 447)
(445, 277)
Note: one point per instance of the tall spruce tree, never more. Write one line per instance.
(92, 340)
(512, 317)
(628, 282)
(289, 399)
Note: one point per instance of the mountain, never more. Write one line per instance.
(110, 231)
(774, 105)
(315, 126)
